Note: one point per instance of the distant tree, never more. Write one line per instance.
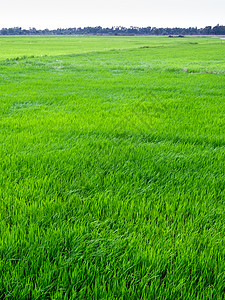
(218, 30)
(207, 30)
(117, 30)
(4, 31)
(155, 31)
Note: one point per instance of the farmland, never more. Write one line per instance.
(112, 174)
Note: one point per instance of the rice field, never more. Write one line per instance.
(112, 174)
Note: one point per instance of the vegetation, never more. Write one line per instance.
(112, 168)
(117, 30)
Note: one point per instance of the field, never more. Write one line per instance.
(112, 174)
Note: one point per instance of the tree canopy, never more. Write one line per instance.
(117, 30)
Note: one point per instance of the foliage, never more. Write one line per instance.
(112, 168)
(117, 30)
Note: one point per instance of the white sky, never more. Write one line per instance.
(79, 13)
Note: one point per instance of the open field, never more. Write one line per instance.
(112, 174)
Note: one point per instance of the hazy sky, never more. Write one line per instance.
(73, 13)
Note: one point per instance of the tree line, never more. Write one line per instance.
(117, 30)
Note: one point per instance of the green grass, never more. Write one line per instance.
(112, 175)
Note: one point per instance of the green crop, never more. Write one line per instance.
(112, 174)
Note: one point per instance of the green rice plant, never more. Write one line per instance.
(112, 175)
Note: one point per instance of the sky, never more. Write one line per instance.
(54, 14)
